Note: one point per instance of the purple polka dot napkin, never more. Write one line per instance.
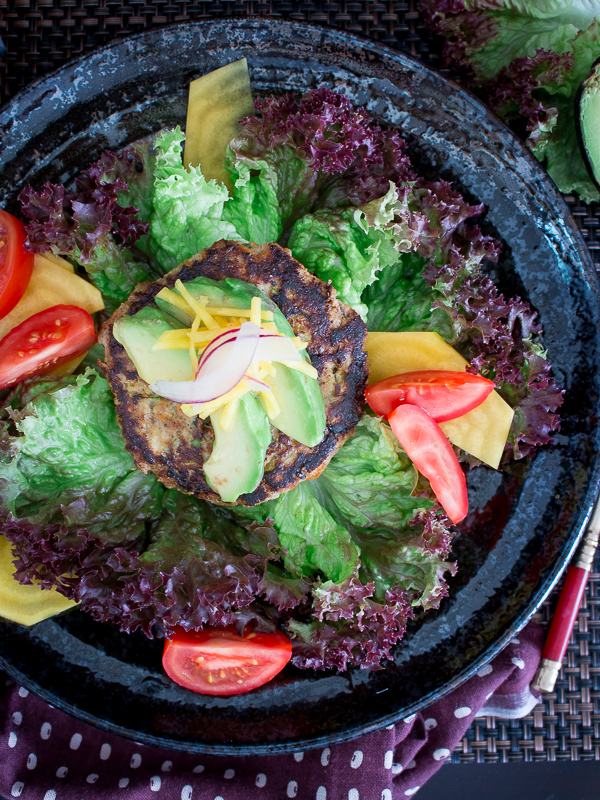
(47, 755)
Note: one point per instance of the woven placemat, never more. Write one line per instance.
(40, 35)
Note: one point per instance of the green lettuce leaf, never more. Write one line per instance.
(368, 484)
(560, 147)
(187, 211)
(522, 27)
(366, 498)
(352, 248)
(70, 466)
(254, 210)
(401, 300)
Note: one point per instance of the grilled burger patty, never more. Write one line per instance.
(174, 447)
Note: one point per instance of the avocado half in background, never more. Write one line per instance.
(587, 116)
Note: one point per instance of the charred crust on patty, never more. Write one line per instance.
(164, 441)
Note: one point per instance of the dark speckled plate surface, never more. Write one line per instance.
(524, 523)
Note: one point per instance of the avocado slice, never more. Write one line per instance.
(139, 332)
(587, 114)
(237, 462)
(302, 415)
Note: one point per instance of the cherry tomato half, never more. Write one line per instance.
(43, 341)
(442, 393)
(219, 661)
(16, 265)
(430, 451)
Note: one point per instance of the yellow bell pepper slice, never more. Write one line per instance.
(51, 285)
(215, 104)
(25, 604)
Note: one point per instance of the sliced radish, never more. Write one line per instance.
(219, 371)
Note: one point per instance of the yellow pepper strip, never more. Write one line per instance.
(266, 316)
(228, 416)
(199, 307)
(299, 344)
(270, 404)
(206, 409)
(302, 366)
(196, 323)
(176, 300)
(255, 309)
(268, 368)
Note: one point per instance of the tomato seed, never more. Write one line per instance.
(57, 322)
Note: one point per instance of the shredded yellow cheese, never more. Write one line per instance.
(255, 309)
(206, 409)
(228, 416)
(270, 404)
(207, 323)
(302, 366)
(199, 307)
(176, 300)
(266, 316)
(268, 368)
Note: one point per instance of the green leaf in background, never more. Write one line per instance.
(561, 147)
(519, 28)
(188, 210)
(528, 57)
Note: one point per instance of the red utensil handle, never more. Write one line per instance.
(565, 614)
(567, 608)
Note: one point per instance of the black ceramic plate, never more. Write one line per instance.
(524, 523)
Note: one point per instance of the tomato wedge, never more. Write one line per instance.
(220, 661)
(16, 265)
(443, 393)
(43, 342)
(430, 451)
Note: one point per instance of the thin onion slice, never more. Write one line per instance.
(223, 338)
(256, 385)
(220, 369)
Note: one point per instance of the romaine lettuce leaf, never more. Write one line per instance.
(365, 498)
